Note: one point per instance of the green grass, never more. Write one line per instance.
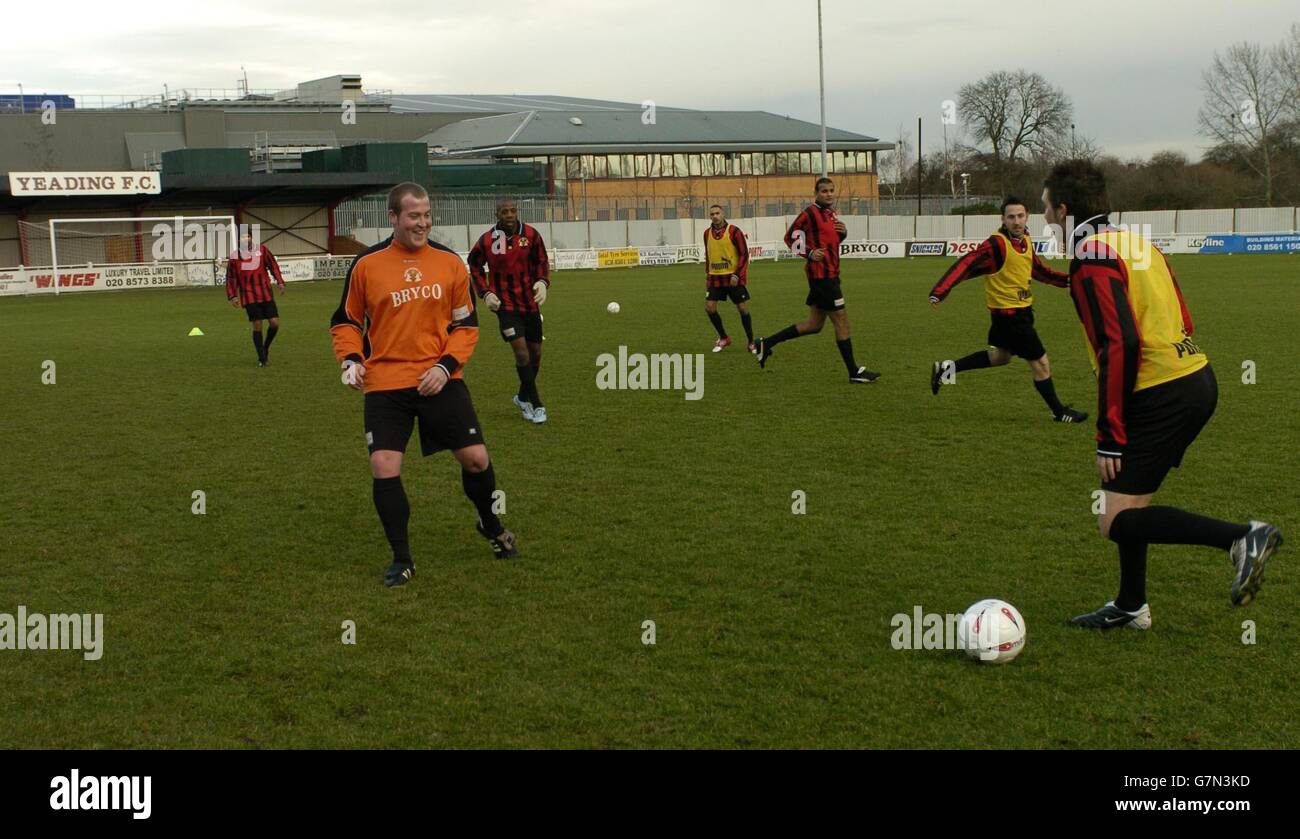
(224, 630)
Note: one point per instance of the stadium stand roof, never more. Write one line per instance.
(542, 132)
(496, 104)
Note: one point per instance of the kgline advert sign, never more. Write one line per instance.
(85, 183)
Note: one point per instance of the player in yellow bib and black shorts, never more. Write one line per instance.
(1007, 262)
(1155, 392)
(726, 272)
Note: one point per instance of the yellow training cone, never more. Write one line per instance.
(195, 331)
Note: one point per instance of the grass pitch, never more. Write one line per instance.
(773, 629)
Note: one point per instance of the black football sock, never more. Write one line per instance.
(1172, 526)
(537, 397)
(786, 334)
(974, 361)
(270, 336)
(479, 487)
(394, 513)
(1047, 390)
(257, 342)
(748, 322)
(526, 376)
(1132, 576)
(716, 320)
(846, 352)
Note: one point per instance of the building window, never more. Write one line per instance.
(867, 161)
(642, 213)
(733, 164)
(783, 163)
(624, 214)
(773, 210)
(670, 213)
(747, 164)
(602, 215)
(642, 166)
(706, 166)
(851, 161)
(746, 210)
(837, 161)
(694, 161)
(588, 168)
(573, 166)
(679, 163)
(600, 167)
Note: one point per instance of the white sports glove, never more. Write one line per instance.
(539, 292)
(354, 374)
(493, 302)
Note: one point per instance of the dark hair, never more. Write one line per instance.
(1010, 201)
(1081, 187)
(820, 181)
(503, 200)
(719, 206)
(397, 193)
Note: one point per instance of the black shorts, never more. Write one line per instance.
(1161, 422)
(262, 311)
(825, 294)
(1015, 333)
(516, 324)
(735, 293)
(447, 420)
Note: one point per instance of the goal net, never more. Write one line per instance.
(136, 252)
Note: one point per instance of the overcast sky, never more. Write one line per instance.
(1132, 69)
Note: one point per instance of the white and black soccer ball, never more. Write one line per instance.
(992, 631)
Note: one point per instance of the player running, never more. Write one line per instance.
(248, 284)
(726, 275)
(1155, 392)
(1007, 262)
(514, 286)
(816, 236)
(403, 332)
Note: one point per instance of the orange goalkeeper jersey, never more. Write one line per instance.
(404, 311)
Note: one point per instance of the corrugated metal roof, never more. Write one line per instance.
(542, 132)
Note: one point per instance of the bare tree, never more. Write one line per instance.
(1287, 57)
(1014, 114)
(894, 164)
(1246, 97)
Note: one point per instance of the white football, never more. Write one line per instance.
(992, 631)
(612, 308)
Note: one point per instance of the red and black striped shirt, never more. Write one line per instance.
(249, 278)
(814, 229)
(513, 264)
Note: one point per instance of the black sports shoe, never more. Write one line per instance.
(1111, 616)
(762, 352)
(399, 573)
(863, 376)
(1068, 414)
(936, 378)
(1249, 554)
(504, 544)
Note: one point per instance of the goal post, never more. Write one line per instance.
(143, 241)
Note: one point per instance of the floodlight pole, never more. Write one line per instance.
(821, 84)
